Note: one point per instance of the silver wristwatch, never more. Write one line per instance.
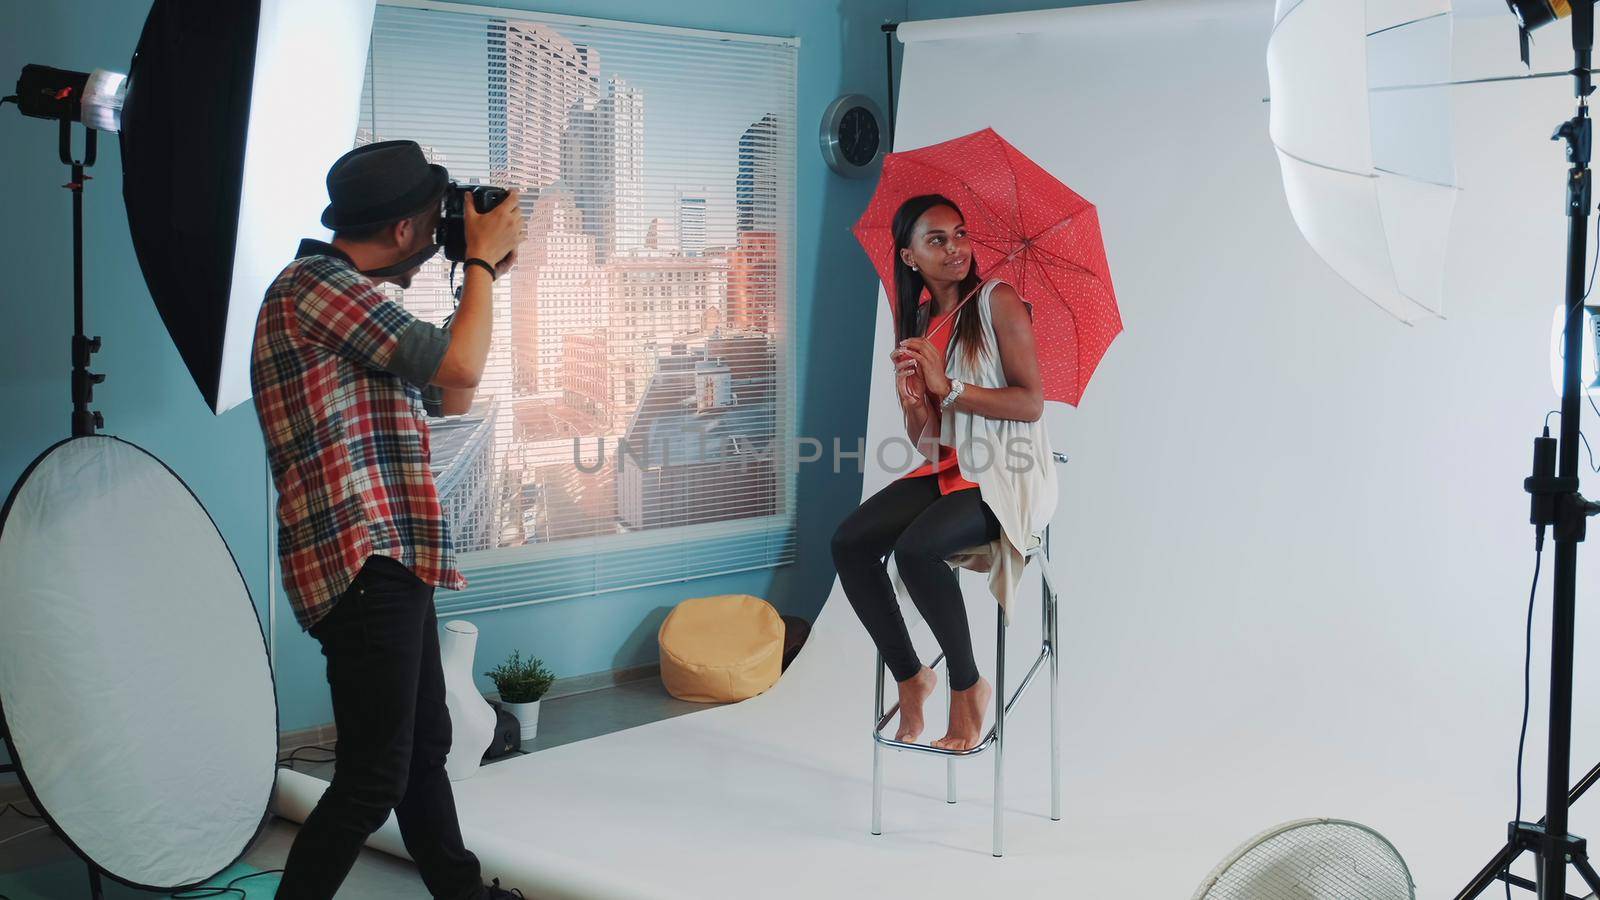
(956, 387)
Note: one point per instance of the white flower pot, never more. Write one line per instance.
(528, 715)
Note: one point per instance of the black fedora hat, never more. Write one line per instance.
(379, 183)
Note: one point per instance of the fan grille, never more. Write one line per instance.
(1314, 859)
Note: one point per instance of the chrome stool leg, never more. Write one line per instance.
(949, 761)
(877, 754)
(1051, 631)
(1000, 733)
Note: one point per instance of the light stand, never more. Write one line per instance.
(64, 104)
(85, 422)
(93, 99)
(1556, 502)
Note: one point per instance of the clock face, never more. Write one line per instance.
(858, 136)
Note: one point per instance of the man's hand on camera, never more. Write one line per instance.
(494, 235)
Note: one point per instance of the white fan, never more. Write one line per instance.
(1311, 859)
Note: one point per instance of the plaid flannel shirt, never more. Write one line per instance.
(340, 375)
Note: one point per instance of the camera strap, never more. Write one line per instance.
(404, 265)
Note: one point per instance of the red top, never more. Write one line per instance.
(949, 473)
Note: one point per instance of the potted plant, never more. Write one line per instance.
(521, 683)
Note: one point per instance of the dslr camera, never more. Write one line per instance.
(452, 233)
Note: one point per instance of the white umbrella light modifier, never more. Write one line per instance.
(1367, 157)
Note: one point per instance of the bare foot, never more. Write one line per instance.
(966, 716)
(913, 691)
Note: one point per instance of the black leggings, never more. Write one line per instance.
(921, 527)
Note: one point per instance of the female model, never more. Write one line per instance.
(935, 511)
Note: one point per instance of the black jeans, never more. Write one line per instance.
(921, 527)
(381, 640)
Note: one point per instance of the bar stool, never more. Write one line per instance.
(1038, 548)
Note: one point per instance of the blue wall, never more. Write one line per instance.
(149, 398)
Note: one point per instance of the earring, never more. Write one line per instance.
(913, 268)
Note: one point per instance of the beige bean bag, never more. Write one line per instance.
(721, 649)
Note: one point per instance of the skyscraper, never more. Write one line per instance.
(563, 290)
(545, 75)
(753, 282)
(495, 69)
(602, 166)
(754, 261)
(756, 185)
(462, 463)
(691, 224)
(626, 111)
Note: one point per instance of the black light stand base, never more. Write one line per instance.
(1498, 869)
(1568, 848)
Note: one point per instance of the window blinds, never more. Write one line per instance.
(635, 422)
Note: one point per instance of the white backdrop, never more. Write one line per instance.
(1294, 529)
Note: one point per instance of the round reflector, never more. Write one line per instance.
(136, 696)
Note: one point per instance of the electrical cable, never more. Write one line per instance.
(12, 807)
(1596, 264)
(1527, 682)
(227, 890)
(294, 756)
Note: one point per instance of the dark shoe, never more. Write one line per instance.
(496, 892)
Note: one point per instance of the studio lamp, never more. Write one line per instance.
(1535, 14)
(92, 98)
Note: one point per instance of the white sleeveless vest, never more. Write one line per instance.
(1009, 460)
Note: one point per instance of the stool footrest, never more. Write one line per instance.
(988, 740)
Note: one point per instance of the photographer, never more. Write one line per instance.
(341, 377)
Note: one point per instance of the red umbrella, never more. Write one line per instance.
(1026, 227)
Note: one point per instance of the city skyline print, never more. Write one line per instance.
(639, 377)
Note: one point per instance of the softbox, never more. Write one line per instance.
(136, 697)
(234, 113)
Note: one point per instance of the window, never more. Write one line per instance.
(635, 422)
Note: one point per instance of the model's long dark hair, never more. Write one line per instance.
(908, 284)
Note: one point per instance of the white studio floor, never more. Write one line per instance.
(772, 797)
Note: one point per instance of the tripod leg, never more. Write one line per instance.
(95, 890)
(1489, 873)
(1590, 877)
